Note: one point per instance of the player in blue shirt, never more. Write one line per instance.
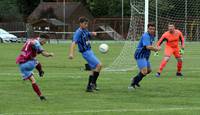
(82, 38)
(142, 55)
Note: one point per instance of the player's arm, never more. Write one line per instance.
(148, 45)
(39, 49)
(160, 41)
(76, 37)
(47, 54)
(72, 49)
(93, 33)
(152, 48)
(182, 41)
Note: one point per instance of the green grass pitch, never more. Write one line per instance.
(65, 81)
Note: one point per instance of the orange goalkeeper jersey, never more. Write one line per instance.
(172, 39)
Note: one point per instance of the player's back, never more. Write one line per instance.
(28, 52)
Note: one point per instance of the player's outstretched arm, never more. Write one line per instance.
(47, 54)
(71, 50)
(160, 41)
(93, 33)
(153, 48)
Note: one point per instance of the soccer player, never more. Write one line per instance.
(27, 61)
(142, 54)
(172, 38)
(82, 38)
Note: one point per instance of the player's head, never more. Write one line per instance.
(83, 22)
(43, 39)
(151, 28)
(171, 27)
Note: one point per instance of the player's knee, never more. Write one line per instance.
(166, 58)
(144, 71)
(179, 59)
(33, 81)
(99, 66)
(149, 71)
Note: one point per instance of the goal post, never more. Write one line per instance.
(146, 15)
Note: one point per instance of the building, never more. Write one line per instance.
(59, 16)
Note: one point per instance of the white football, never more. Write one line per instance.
(103, 48)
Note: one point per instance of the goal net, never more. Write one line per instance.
(125, 60)
(185, 14)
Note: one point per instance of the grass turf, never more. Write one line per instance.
(65, 81)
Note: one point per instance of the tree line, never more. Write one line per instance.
(19, 10)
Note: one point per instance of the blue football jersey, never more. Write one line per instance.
(142, 51)
(82, 38)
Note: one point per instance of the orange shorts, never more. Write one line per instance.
(175, 51)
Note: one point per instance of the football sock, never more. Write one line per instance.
(96, 75)
(36, 89)
(39, 67)
(179, 66)
(90, 80)
(162, 65)
(138, 78)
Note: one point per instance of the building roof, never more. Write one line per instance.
(58, 8)
(53, 21)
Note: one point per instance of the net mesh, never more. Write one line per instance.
(183, 13)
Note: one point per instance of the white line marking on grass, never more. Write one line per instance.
(108, 110)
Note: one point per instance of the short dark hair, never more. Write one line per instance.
(83, 19)
(151, 24)
(171, 23)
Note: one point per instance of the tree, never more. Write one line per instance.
(26, 7)
(108, 7)
(9, 11)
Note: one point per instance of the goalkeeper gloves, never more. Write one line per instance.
(181, 51)
(156, 54)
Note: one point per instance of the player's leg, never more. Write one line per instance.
(39, 69)
(36, 87)
(168, 53)
(143, 67)
(96, 66)
(179, 62)
(149, 70)
(96, 73)
(26, 70)
(89, 85)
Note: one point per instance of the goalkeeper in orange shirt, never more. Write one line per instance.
(172, 38)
